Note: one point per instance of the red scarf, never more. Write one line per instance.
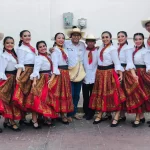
(136, 50)
(63, 53)
(102, 51)
(90, 57)
(120, 47)
(31, 48)
(45, 55)
(12, 53)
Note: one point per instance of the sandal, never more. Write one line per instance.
(64, 120)
(99, 121)
(136, 123)
(77, 117)
(116, 124)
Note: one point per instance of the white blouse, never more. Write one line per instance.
(126, 57)
(90, 69)
(25, 56)
(7, 63)
(75, 52)
(142, 57)
(110, 56)
(41, 63)
(58, 60)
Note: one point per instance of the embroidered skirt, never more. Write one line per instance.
(23, 88)
(7, 106)
(39, 98)
(135, 96)
(107, 95)
(60, 87)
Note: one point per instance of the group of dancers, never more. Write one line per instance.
(117, 78)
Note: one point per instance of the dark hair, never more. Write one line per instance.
(109, 35)
(125, 33)
(74, 27)
(39, 42)
(21, 34)
(147, 23)
(56, 37)
(4, 41)
(139, 34)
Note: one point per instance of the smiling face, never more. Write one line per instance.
(90, 43)
(147, 26)
(60, 39)
(138, 40)
(42, 48)
(75, 37)
(121, 38)
(106, 39)
(9, 44)
(26, 37)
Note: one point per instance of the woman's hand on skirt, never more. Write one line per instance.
(17, 78)
(34, 84)
(136, 78)
(120, 75)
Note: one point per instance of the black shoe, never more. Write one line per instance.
(48, 123)
(89, 117)
(64, 122)
(107, 117)
(142, 120)
(116, 124)
(136, 125)
(122, 119)
(148, 122)
(1, 130)
(35, 125)
(97, 122)
(24, 122)
(6, 124)
(14, 127)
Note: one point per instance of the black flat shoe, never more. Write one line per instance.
(64, 120)
(142, 120)
(24, 122)
(35, 125)
(106, 117)
(116, 124)
(135, 125)
(97, 122)
(6, 124)
(89, 117)
(148, 122)
(122, 119)
(14, 127)
(1, 130)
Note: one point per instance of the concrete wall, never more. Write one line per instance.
(44, 17)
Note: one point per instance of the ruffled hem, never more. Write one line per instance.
(3, 76)
(34, 75)
(20, 66)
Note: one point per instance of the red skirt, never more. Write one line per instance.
(23, 88)
(107, 95)
(60, 87)
(7, 107)
(39, 98)
(135, 96)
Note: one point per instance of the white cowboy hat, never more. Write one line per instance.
(145, 21)
(75, 30)
(90, 37)
(1, 36)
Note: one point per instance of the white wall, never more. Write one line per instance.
(44, 17)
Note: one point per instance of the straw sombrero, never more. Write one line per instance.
(90, 37)
(1, 36)
(145, 21)
(75, 30)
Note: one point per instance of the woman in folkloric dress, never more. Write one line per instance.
(59, 84)
(8, 61)
(107, 95)
(39, 97)
(26, 57)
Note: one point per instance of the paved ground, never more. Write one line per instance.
(79, 135)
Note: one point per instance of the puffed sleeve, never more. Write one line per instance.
(147, 60)
(37, 66)
(55, 59)
(21, 55)
(129, 59)
(3, 65)
(115, 59)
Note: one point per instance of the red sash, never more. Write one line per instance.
(63, 53)
(120, 47)
(31, 48)
(90, 57)
(102, 51)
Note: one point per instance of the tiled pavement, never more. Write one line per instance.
(79, 135)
